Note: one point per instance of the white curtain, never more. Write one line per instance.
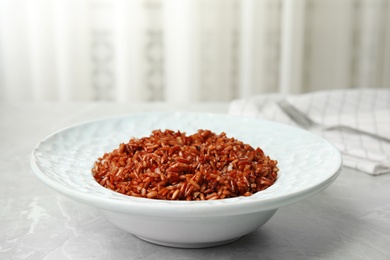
(189, 50)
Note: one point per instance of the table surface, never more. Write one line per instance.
(348, 220)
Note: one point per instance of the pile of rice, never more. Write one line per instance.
(170, 165)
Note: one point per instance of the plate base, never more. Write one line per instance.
(188, 245)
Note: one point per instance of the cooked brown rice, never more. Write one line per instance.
(171, 165)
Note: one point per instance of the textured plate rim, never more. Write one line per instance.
(143, 206)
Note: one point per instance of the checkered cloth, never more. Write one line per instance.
(364, 109)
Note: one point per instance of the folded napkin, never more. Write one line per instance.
(361, 109)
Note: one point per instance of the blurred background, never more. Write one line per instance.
(189, 50)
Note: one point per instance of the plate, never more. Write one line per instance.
(307, 163)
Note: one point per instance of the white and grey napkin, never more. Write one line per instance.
(356, 121)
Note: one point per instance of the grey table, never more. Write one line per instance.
(348, 220)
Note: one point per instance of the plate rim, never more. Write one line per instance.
(182, 208)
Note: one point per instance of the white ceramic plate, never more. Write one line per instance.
(63, 161)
